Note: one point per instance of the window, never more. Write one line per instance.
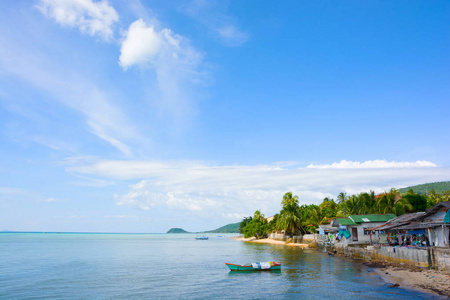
(366, 231)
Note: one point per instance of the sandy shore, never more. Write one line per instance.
(430, 281)
(268, 241)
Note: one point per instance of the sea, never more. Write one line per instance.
(176, 266)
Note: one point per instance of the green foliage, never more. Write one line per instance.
(177, 230)
(295, 219)
(244, 223)
(417, 201)
(257, 227)
(391, 202)
(424, 189)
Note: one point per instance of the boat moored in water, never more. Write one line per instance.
(201, 237)
(257, 266)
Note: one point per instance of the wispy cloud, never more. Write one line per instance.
(122, 217)
(12, 191)
(213, 15)
(104, 117)
(93, 18)
(228, 191)
(373, 164)
(54, 200)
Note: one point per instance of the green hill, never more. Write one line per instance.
(177, 230)
(230, 228)
(439, 187)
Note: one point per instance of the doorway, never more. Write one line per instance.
(354, 234)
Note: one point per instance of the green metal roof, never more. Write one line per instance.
(346, 221)
(372, 218)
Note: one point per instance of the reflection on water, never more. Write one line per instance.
(260, 273)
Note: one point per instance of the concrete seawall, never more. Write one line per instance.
(431, 257)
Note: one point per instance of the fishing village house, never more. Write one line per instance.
(355, 228)
(429, 228)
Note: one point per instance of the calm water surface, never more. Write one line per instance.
(153, 266)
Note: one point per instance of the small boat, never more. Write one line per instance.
(257, 266)
(201, 237)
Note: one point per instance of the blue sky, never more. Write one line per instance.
(139, 116)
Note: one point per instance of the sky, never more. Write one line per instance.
(140, 116)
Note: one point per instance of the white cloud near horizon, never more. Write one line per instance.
(373, 164)
(232, 191)
(93, 18)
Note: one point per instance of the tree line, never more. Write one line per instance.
(296, 219)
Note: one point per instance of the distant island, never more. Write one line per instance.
(177, 230)
(230, 228)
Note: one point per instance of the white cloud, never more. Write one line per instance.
(213, 15)
(227, 191)
(373, 164)
(175, 62)
(231, 35)
(141, 45)
(93, 18)
(122, 217)
(53, 200)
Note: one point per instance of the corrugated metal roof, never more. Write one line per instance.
(372, 218)
(406, 217)
(346, 221)
(420, 226)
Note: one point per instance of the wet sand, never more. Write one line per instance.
(426, 280)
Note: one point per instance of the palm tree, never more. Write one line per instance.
(317, 216)
(258, 216)
(341, 197)
(288, 199)
(353, 205)
(289, 219)
(392, 203)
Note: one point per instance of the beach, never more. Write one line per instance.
(421, 279)
(268, 241)
(426, 280)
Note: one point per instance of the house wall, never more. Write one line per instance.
(364, 238)
(437, 217)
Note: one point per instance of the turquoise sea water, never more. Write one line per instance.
(175, 266)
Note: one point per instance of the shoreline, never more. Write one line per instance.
(419, 279)
(268, 241)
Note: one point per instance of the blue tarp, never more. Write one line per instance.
(418, 231)
(447, 217)
(345, 233)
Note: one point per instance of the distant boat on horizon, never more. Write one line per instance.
(201, 237)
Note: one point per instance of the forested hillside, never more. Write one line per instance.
(423, 189)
